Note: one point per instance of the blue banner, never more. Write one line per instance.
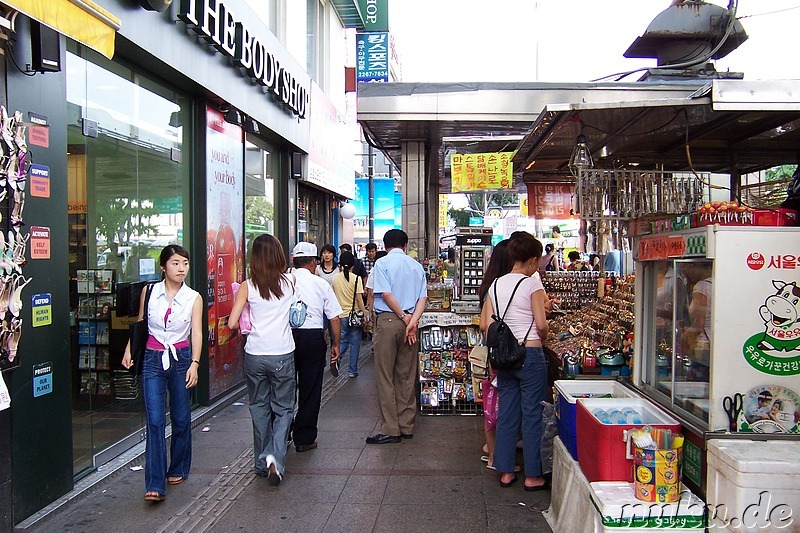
(372, 56)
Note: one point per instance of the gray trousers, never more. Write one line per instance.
(271, 391)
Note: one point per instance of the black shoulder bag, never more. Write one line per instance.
(505, 351)
(139, 334)
(356, 318)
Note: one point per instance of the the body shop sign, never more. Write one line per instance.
(216, 23)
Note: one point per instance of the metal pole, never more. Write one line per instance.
(370, 175)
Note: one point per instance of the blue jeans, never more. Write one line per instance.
(156, 382)
(521, 395)
(271, 390)
(350, 337)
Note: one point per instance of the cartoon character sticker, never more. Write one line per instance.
(776, 350)
(771, 409)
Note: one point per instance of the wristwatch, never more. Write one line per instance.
(196, 361)
(403, 315)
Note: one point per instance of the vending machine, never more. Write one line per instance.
(473, 247)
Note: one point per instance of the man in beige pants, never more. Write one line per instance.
(400, 295)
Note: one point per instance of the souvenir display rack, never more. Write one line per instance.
(606, 321)
(447, 386)
(574, 289)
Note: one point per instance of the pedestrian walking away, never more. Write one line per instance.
(400, 295)
(310, 347)
(349, 289)
(171, 358)
(268, 354)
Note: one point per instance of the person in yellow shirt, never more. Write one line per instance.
(349, 289)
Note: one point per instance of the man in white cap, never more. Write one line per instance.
(310, 347)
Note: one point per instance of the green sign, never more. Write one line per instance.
(375, 14)
(692, 462)
(777, 365)
(168, 205)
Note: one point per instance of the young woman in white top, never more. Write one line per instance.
(522, 391)
(171, 360)
(269, 354)
(327, 268)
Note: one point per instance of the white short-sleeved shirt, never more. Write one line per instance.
(704, 287)
(270, 334)
(318, 296)
(179, 322)
(328, 276)
(519, 316)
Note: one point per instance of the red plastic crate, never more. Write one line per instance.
(778, 216)
(602, 447)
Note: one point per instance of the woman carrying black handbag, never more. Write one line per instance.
(348, 289)
(174, 315)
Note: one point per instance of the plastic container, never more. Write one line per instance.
(753, 485)
(657, 474)
(567, 393)
(602, 448)
(618, 510)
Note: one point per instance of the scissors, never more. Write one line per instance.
(733, 408)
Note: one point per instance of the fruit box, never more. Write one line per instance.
(778, 216)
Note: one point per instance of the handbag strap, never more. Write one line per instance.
(503, 318)
(148, 290)
(355, 288)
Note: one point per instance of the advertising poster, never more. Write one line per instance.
(224, 247)
(759, 315)
(384, 208)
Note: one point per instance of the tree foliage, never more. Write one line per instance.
(121, 219)
(258, 210)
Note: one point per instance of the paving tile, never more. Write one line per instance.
(364, 489)
(268, 517)
(435, 517)
(447, 490)
(350, 517)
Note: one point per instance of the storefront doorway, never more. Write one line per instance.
(128, 158)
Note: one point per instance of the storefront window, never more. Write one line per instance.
(678, 347)
(262, 167)
(128, 185)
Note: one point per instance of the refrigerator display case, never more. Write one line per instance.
(472, 256)
(718, 315)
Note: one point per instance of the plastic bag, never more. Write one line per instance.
(245, 325)
(549, 431)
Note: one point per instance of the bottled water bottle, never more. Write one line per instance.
(632, 416)
(602, 416)
(617, 417)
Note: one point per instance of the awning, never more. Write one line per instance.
(81, 20)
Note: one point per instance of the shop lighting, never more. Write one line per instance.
(581, 158)
(347, 210)
(233, 116)
(251, 126)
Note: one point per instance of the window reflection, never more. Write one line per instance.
(682, 333)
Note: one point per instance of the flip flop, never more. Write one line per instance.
(174, 480)
(154, 497)
(517, 468)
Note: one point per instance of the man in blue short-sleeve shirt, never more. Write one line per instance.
(400, 295)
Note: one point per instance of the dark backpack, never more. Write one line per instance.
(505, 351)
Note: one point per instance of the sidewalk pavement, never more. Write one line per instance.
(433, 482)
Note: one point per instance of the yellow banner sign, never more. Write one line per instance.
(476, 172)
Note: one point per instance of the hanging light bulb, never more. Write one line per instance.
(581, 158)
(347, 210)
